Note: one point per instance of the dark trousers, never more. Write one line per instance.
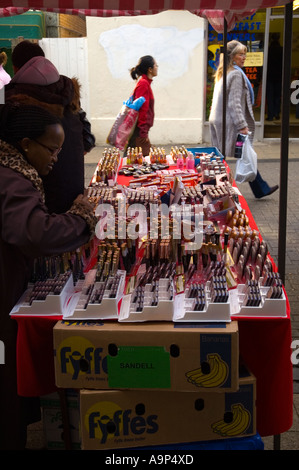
(259, 186)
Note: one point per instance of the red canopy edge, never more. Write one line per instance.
(232, 10)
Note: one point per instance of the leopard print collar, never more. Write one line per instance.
(11, 158)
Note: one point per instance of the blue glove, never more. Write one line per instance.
(136, 104)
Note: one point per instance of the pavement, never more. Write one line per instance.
(266, 214)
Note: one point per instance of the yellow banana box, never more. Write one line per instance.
(117, 419)
(161, 355)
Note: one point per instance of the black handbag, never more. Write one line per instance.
(88, 137)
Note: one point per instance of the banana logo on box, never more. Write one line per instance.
(213, 375)
(240, 422)
(107, 420)
(77, 356)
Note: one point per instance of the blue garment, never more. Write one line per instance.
(248, 83)
(259, 186)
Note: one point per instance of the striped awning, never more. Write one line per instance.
(211, 9)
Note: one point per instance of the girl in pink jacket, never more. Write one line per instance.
(4, 76)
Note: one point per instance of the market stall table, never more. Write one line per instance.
(264, 345)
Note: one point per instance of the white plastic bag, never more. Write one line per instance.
(246, 166)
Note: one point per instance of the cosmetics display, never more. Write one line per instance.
(52, 286)
(97, 298)
(172, 243)
(48, 297)
(204, 302)
(106, 171)
(264, 297)
(150, 295)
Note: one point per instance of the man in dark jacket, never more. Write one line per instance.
(37, 81)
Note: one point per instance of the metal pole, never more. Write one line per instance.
(284, 143)
(224, 85)
(284, 148)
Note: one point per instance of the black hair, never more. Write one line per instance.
(24, 51)
(144, 63)
(20, 121)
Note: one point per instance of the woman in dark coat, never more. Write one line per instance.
(30, 142)
(38, 82)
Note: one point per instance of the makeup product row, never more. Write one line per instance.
(143, 169)
(157, 155)
(108, 261)
(253, 296)
(218, 289)
(214, 192)
(50, 267)
(106, 171)
(163, 270)
(117, 195)
(193, 194)
(95, 292)
(197, 291)
(157, 251)
(178, 153)
(152, 287)
(249, 256)
(150, 295)
(204, 301)
(253, 289)
(134, 156)
(42, 289)
(273, 281)
(101, 194)
(210, 167)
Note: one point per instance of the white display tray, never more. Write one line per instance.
(52, 305)
(213, 311)
(107, 309)
(267, 307)
(163, 311)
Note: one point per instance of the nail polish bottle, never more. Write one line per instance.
(190, 162)
(180, 161)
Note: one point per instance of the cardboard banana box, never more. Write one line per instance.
(120, 419)
(162, 355)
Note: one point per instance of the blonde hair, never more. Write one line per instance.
(233, 47)
(3, 58)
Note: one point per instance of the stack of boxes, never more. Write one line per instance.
(150, 384)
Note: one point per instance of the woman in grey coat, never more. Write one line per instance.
(239, 116)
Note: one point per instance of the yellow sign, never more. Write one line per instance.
(254, 59)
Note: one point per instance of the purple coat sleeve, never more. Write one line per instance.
(26, 223)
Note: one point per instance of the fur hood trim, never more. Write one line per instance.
(11, 158)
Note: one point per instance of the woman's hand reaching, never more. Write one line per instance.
(244, 131)
(83, 200)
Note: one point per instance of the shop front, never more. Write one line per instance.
(262, 32)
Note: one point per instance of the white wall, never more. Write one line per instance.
(69, 55)
(176, 40)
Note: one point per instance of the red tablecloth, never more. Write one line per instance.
(265, 346)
